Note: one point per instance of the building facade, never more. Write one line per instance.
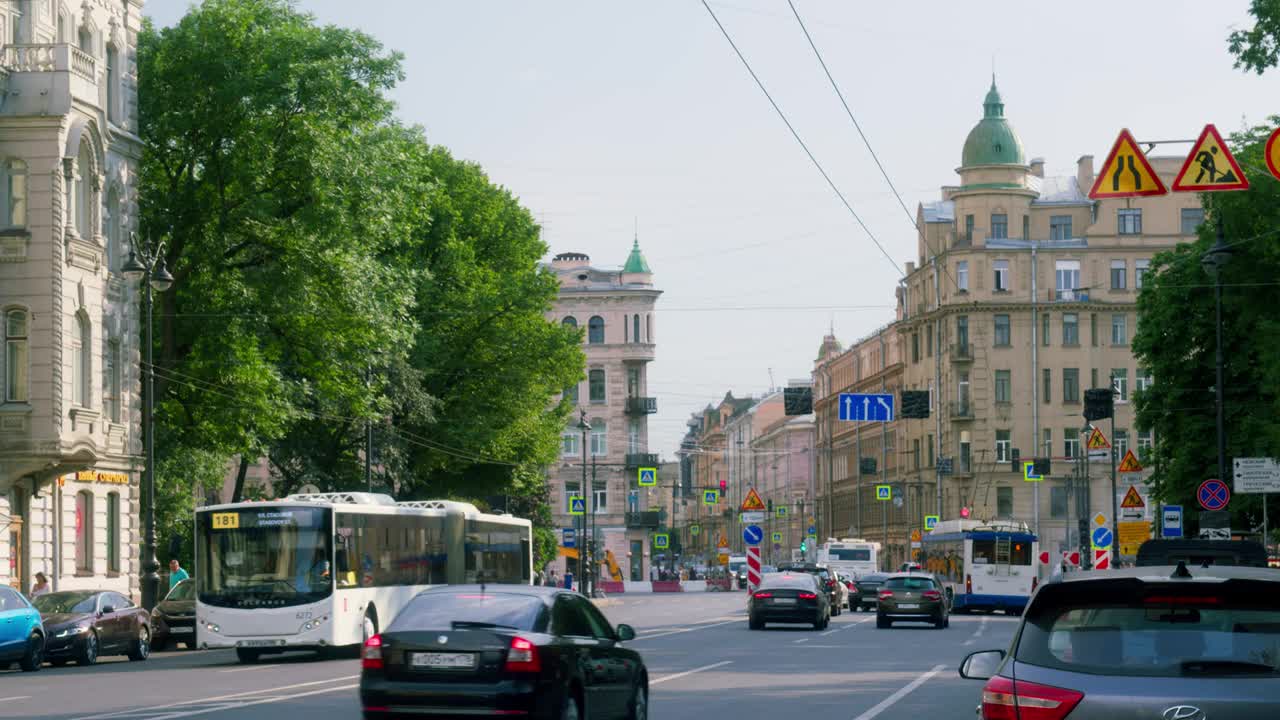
(614, 309)
(68, 413)
(1023, 296)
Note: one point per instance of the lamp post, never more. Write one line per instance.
(584, 426)
(147, 265)
(1212, 262)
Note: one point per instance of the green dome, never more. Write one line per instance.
(635, 262)
(992, 141)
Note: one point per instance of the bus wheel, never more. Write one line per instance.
(248, 656)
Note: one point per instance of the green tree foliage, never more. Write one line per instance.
(1176, 340)
(1258, 48)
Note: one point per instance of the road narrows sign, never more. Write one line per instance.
(1126, 172)
(1210, 166)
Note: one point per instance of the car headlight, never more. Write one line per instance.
(313, 624)
(73, 630)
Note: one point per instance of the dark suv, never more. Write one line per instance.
(1150, 642)
(912, 596)
(826, 578)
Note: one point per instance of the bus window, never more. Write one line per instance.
(984, 552)
(1021, 554)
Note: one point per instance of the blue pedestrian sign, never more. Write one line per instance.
(1101, 538)
(647, 477)
(1171, 521)
(710, 497)
(884, 492)
(930, 522)
(1213, 495)
(661, 541)
(577, 505)
(752, 534)
(812, 530)
(570, 538)
(781, 511)
(869, 407)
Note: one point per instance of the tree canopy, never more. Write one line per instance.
(1257, 49)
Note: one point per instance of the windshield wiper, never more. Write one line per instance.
(456, 624)
(1207, 667)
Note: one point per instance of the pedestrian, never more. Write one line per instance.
(41, 587)
(176, 573)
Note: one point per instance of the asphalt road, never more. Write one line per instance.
(703, 662)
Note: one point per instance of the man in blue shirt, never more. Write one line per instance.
(176, 573)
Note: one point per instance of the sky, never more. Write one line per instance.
(608, 118)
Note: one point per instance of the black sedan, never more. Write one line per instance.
(81, 625)
(532, 651)
(174, 619)
(789, 598)
(867, 590)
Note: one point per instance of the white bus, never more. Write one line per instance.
(328, 570)
(983, 566)
(851, 557)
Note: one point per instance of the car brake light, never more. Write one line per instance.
(885, 594)
(932, 595)
(762, 594)
(523, 656)
(1005, 699)
(968, 584)
(808, 596)
(371, 654)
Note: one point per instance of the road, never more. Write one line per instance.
(703, 662)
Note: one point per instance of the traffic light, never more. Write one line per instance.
(723, 486)
(1083, 527)
(1098, 404)
(804, 545)
(769, 503)
(1043, 467)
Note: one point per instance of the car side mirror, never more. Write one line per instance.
(626, 632)
(107, 609)
(981, 665)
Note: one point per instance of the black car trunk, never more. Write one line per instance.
(472, 655)
(782, 598)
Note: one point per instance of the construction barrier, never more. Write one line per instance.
(667, 586)
(612, 587)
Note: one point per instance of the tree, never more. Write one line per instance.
(1258, 48)
(1176, 340)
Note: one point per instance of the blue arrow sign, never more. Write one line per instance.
(1102, 538)
(752, 534)
(813, 530)
(570, 538)
(1171, 525)
(866, 407)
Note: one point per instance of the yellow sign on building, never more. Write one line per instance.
(111, 478)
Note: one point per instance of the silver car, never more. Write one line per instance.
(1158, 643)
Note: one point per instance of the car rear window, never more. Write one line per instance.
(798, 581)
(439, 611)
(910, 583)
(1155, 630)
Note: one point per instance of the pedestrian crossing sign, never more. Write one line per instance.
(884, 492)
(694, 530)
(577, 505)
(648, 477)
(710, 497)
(660, 541)
(780, 511)
(930, 522)
(777, 538)
(1210, 166)
(1097, 441)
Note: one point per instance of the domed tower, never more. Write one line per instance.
(992, 141)
(995, 193)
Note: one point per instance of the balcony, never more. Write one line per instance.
(639, 460)
(642, 405)
(634, 352)
(644, 519)
(961, 352)
(81, 68)
(1074, 295)
(962, 410)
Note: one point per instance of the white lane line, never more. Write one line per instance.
(803, 640)
(237, 706)
(137, 710)
(833, 632)
(16, 697)
(889, 701)
(249, 667)
(704, 626)
(982, 627)
(689, 672)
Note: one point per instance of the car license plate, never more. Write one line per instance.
(463, 661)
(908, 606)
(258, 643)
(784, 601)
(181, 630)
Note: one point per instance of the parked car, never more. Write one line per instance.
(791, 598)
(173, 620)
(834, 590)
(502, 650)
(867, 590)
(21, 632)
(913, 597)
(1174, 642)
(83, 625)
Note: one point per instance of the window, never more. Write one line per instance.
(84, 531)
(915, 454)
(648, 328)
(111, 371)
(572, 489)
(1003, 447)
(569, 321)
(1192, 219)
(1046, 442)
(962, 275)
(1144, 445)
(1048, 385)
(915, 347)
(1093, 377)
(113, 80)
(968, 229)
(962, 392)
(1057, 501)
(962, 331)
(1004, 389)
(1121, 444)
(1140, 268)
(999, 226)
(1120, 384)
(1093, 329)
(84, 167)
(633, 382)
(1129, 221)
(1071, 442)
(928, 340)
(599, 498)
(1119, 271)
(1060, 227)
(1142, 379)
(1066, 279)
(112, 231)
(599, 437)
(595, 382)
(1070, 329)
(570, 443)
(82, 364)
(1026, 227)
(1001, 275)
(635, 328)
(929, 450)
(1119, 331)
(1071, 385)
(14, 214)
(633, 437)
(1004, 502)
(62, 29)
(113, 532)
(1002, 331)
(1044, 329)
(595, 330)
(17, 383)
(86, 40)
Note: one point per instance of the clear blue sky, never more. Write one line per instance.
(599, 113)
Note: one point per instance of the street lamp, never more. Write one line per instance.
(147, 265)
(1213, 262)
(583, 546)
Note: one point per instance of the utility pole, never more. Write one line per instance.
(368, 435)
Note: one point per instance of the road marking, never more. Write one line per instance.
(982, 627)
(889, 701)
(263, 701)
(249, 667)
(16, 697)
(215, 698)
(833, 632)
(690, 672)
(703, 626)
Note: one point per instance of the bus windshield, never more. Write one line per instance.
(851, 554)
(264, 556)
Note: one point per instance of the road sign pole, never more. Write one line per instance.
(1115, 504)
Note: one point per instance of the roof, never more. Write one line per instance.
(1061, 190)
(504, 588)
(635, 261)
(992, 141)
(1164, 573)
(942, 211)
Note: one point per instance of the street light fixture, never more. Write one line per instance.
(583, 544)
(1213, 263)
(148, 265)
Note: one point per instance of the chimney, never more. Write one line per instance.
(949, 191)
(1084, 172)
(1037, 167)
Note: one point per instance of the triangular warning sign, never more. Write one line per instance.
(1210, 166)
(752, 503)
(1130, 464)
(1126, 172)
(1132, 499)
(1097, 441)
